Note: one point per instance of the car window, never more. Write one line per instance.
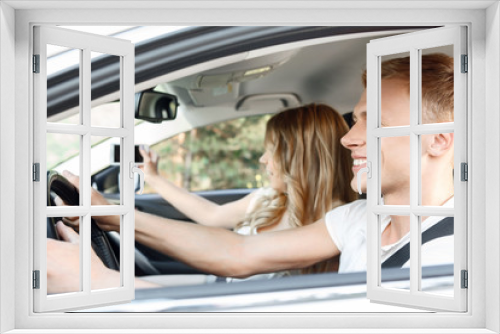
(218, 156)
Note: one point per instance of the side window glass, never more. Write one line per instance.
(217, 156)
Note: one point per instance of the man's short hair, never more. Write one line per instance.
(437, 83)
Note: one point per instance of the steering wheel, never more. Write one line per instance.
(58, 185)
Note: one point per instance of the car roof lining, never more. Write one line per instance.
(181, 49)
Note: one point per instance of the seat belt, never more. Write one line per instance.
(441, 229)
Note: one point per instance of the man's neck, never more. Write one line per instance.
(400, 225)
(437, 197)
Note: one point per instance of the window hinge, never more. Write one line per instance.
(36, 279)
(36, 63)
(36, 172)
(464, 168)
(465, 64)
(465, 279)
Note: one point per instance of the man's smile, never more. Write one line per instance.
(357, 164)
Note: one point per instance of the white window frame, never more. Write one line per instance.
(86, 44)
(482, 316)
(413, 43)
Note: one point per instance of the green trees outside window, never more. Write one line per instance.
(218, 156)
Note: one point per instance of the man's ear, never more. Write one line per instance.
(439, 144)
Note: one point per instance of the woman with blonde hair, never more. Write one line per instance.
(309, 173)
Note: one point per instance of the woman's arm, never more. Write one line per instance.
(193, 206)
(225, 253)
(198, 208)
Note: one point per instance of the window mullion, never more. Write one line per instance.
(396, 131)
(85, 96)
(85, 263)
(82, 130)
(127, 196)
(85, 233)
(95, 210)
(421, 129)
(434, 128)
(373, 189)
(414, 170)
(401, 210)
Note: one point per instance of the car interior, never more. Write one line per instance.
(200, 76)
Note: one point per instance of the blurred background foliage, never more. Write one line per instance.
(218, 156)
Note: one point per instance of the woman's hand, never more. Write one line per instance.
(106, 223)
(151, 159)
(63, 264)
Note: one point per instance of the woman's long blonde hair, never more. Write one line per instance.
(315, 167)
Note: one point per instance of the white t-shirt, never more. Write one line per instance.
(347, 228)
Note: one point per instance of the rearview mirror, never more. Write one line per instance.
(155, 107)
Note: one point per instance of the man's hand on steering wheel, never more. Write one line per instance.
(63, 264)
(58, 185)
(67, 188)
(106, 223)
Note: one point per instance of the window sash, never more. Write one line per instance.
(413, 43)
(86, 43)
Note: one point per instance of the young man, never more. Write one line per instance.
(347, 225)
(343, 230)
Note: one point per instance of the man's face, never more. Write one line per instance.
(395, 151)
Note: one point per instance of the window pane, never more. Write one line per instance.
(107, 248)
(394, 111)
(106, 115)
(54, 262)
(437, 255)
(63, 150)
(63, 153)
(105, 79)
(106, 155)
(395, 258)
(437, 89)
(437, 167)
(63, 60)
(395, 170)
